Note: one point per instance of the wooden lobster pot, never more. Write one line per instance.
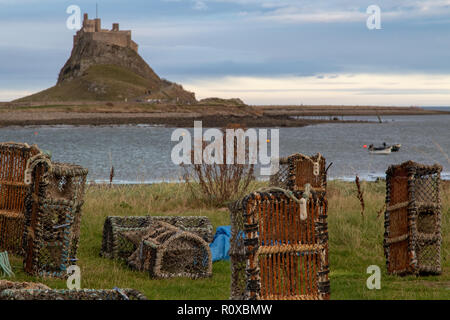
(297, 170)
(116, 246)
(166, 251)
(275, 254)
(64, 294)
(412, 239)
(53, 219)
(13, 190)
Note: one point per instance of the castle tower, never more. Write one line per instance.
(88, 25)
(98, 25)
(92, 30)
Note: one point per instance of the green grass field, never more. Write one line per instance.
(355, 243)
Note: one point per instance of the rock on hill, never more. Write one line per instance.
(222, 102)
(106, 71)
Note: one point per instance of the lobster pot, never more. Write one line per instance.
(277, 252)
(116, 246)
(412, 238)
(53, 219)
(166, 251)
(13, 189)
(297, 170)
(83, 294)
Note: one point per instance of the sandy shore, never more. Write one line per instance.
(183, 116)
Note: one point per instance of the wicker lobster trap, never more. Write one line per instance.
(277, 251)
(61, 294)
(297, 170)
(166, 251)
(14, 162)
(53, 218)
(412, 238)
(116, 246)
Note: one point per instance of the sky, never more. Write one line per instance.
(262, 51)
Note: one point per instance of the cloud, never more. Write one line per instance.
(260, 39)
(8, 95)
(349, 89)
(293, 15)
(200, 5)
(335, 11)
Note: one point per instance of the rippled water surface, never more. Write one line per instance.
(143, 153)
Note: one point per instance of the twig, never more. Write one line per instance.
(111, 176)
(360, 195)
(442, 151)
(381, 211)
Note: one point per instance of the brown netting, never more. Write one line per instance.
(83, 294)
(412, 238)
(165, 251)
(297, 170)
(426, 189)
(53, 216)
(237, 252)
(116, 246)
(5, 284)
(13, 189)
(274, 253)
(281, 178)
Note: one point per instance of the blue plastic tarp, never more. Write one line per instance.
(220, 246)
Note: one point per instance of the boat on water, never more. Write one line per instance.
(396, 147)
(385, 149)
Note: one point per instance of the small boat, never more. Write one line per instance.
(380, 150)
(387, 150)
(396, 147)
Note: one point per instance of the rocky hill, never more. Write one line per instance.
(107, 71)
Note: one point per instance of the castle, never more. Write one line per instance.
(92, 30)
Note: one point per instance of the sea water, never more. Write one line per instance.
(142, 153)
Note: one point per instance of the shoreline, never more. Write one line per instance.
(12, 114)
(445, 177)
(169, 121)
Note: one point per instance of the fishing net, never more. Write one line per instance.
(83, 294)
(412, 239)
(237, 252)
(166, 251)
(5, 284)
(53, 217)
(13, 189)
(297, 170)
(277, 251)
(116, 246)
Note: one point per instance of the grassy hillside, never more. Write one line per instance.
(355, 244)
(100, 82)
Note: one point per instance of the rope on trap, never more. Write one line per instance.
(5, 266)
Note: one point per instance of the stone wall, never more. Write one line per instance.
(92, 31)
(119, 38)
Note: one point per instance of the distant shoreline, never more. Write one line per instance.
(117, 113)
(119, 183)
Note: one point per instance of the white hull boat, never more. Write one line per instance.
(384, 151)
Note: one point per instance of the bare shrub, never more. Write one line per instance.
(216, 184)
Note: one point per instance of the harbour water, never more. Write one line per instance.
(142, 153)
